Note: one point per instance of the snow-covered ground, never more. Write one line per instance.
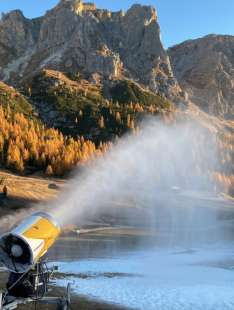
(175, 279)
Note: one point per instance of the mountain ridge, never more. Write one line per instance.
(81, 41)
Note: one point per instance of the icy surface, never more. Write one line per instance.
(175, 279)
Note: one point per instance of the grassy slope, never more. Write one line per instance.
(12, 98)
(24, 192)
(34, 189)
(78, 105)
(127, 92)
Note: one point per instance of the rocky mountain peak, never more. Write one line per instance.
(17, 38)
(75, 36)
(77, 6)
(144, 13)
(16, 14)
(205, 69)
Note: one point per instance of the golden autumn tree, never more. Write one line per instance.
(101, 122)
(118, 117)
(49, 170)
(26, 143)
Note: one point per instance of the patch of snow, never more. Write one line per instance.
(168, 279)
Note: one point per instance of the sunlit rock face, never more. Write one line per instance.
(77, 37)
(205, 70)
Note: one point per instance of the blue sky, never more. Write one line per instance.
(179, 19)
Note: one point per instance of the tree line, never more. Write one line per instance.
(26, 143)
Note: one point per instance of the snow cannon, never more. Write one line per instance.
(25, 245)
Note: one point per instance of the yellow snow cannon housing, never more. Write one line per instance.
(21, 248)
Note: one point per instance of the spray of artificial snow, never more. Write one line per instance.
(146, 171)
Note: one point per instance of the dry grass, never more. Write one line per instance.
(25, 190)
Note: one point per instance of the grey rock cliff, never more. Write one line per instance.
(18, 36)
(205, 70)
(75, 37)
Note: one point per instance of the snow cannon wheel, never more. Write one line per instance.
(66, 302)
(62, 305)
(68, 295)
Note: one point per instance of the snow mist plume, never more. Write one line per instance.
(141, 171)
